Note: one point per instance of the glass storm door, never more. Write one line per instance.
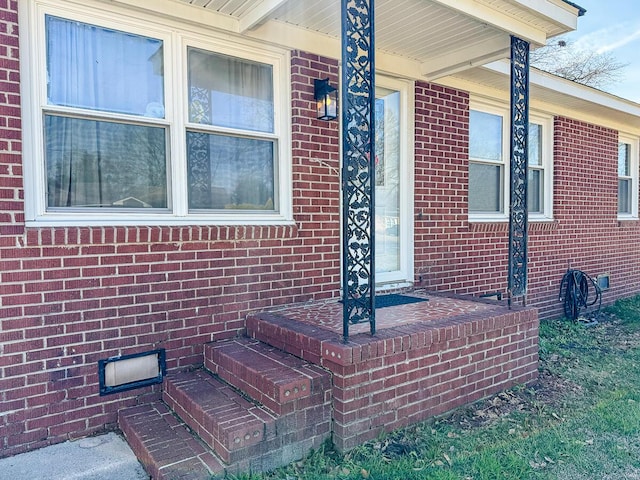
(393, 188)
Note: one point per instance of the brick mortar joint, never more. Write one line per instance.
(329, 348)
(65, 236)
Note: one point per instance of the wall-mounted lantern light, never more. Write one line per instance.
(326, 98)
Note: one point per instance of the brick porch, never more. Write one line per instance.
(266, 399)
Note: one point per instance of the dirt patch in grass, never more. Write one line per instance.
(541, 398)
(546, 394)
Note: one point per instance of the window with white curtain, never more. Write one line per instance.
(136, 124)
(103, 162)
(226, 170)
(489, 157)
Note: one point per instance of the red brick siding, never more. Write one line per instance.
(316, 174)
(452, 254)
(11, 189)
(404, 379)
(72, 296)
(586, 233)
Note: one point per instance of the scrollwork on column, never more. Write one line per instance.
(518, 217)
(358, 168)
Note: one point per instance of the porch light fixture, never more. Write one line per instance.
(326, 98)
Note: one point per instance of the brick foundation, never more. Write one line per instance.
(410, 373)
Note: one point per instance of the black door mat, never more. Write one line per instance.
(396, 299)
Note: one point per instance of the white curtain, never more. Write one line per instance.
(92, 163)
(240, 92)
(104, 164)
(100, 69)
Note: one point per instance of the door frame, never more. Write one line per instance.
(405, 275)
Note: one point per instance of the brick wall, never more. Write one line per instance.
(452, 254)
(586, 233)
(410, 371)
(72, 296)
(11, 191)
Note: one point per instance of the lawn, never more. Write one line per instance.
(581, 420)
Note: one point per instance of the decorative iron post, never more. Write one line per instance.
(517, 281)
(358, 164)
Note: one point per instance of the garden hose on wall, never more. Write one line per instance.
(578, 291)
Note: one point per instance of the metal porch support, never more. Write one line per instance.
(358, 164)
(517, 281)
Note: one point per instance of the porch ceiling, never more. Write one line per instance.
(421, 39)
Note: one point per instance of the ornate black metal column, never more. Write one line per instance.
(517, 282)
(358, 163)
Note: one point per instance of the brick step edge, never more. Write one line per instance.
(230, 424)
(294, 337)
(270, 376)
(165, 446)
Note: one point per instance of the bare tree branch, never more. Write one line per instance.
(588, 67)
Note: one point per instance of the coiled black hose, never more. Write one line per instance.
(578, 291)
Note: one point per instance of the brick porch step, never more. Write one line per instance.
(274, 410)
(165, 446)
(275, 379)
(234, 427)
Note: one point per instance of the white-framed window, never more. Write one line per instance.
(488, 162)
(540, 182)
(627, 177)
(489, 133)
(136, 119)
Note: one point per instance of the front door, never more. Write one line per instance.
(394, 181)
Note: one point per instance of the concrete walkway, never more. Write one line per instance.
(105, 457)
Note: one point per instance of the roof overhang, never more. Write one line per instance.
(419, 39)
(553, 95)
(460, 43)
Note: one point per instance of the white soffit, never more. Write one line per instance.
(421, 39)
(552, 94)
(554, 17)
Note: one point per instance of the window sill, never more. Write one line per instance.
(129, 219)
(536, 223)
(627, 221)
(543, 224)
(486, 226)
(56, 235)
(488, 218)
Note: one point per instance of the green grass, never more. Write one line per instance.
(582, 421)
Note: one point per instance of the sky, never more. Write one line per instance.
(613, 26)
